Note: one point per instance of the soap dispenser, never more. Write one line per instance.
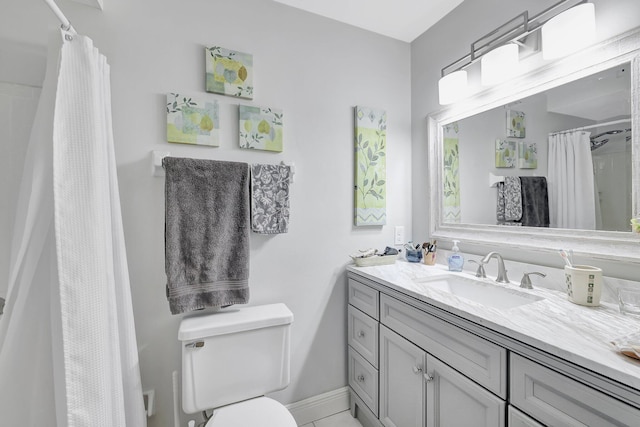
(455, 260)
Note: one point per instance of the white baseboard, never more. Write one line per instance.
(320, 406)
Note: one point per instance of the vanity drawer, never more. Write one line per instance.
(557, 400)
(364, 298)
(363, 335)
(363, 379)
(481, 360)
(516, 418)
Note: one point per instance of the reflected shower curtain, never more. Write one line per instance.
(571, 184)
(68, 354)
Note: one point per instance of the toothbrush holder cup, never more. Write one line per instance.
(584, 284)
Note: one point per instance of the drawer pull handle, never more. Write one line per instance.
(428, 377)
(360, 378)
(360, 334)
(417, 370)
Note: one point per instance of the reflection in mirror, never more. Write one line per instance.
(561, 159)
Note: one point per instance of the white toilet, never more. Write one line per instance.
(231, 359)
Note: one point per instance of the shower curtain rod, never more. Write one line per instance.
(615, 122)
(66, 25)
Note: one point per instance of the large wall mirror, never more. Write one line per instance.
(549, 160)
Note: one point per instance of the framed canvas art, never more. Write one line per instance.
(192, 121)
(370, 168)
(229, 72)
(515, 124)
(260, 128)
(527, 155)
(506, 153)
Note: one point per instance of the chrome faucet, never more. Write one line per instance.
(502, 272)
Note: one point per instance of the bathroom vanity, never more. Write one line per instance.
(432, 348)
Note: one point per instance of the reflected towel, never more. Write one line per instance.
(206, 233)
(512, 199)
(270, 198)
(535, 201)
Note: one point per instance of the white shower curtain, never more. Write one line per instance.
(571, 184)
(68, 354)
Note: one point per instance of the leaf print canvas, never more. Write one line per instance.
(527, 155)
(229, 72)
(506, 153)
(515, 124)
(192, 121)
(371, 166)
(260, 128)
(451, 183)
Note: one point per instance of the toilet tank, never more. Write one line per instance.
(234, 355)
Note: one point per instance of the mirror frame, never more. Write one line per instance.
(607, 245)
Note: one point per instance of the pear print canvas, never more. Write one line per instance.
(527, 155)
(261, 128)
(506, 153)
(192, 121)
(229, 72)
(515, 124)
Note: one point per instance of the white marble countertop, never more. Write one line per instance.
(578, 334)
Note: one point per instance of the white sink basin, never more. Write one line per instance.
(478, 291)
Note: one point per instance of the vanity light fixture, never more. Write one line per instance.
(499, 51)
(500, 64)
(453, 87)
(569, 32)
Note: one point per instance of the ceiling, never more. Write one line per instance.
(404, 20)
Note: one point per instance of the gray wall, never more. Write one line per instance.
(450, 39)
(316, 70)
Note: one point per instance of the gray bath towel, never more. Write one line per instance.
(206, 233)
(535, 201)
(270, 198)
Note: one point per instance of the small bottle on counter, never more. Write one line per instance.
(455, 260)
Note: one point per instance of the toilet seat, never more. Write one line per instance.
(258, 412)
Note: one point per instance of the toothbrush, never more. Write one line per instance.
(565, 257)
(571, 256)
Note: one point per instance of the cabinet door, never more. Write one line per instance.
(453, 400)
(401, 381)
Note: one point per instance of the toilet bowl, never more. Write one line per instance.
(231, 359)
(258, 412)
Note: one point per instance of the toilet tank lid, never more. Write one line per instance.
(232, 320)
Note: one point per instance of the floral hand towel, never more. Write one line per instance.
(270, 198)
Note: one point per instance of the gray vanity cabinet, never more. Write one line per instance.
(414, 387)
(402, 383)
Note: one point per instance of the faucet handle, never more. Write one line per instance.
(480, 271)
(526, 281)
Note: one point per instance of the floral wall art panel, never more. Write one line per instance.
(506, 153)
(515, 124)
(451, 192)
(229, 72)
(192, 121)
(371, 166)
(527, 155)
(260, 128)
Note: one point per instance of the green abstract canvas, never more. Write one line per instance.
(192, 121)
(229, 72)
(527, 155)
(515, 124)
(371, 166)
(260, 128)
(506, 153)
(451, 184)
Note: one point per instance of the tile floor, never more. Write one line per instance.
(341, 419)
